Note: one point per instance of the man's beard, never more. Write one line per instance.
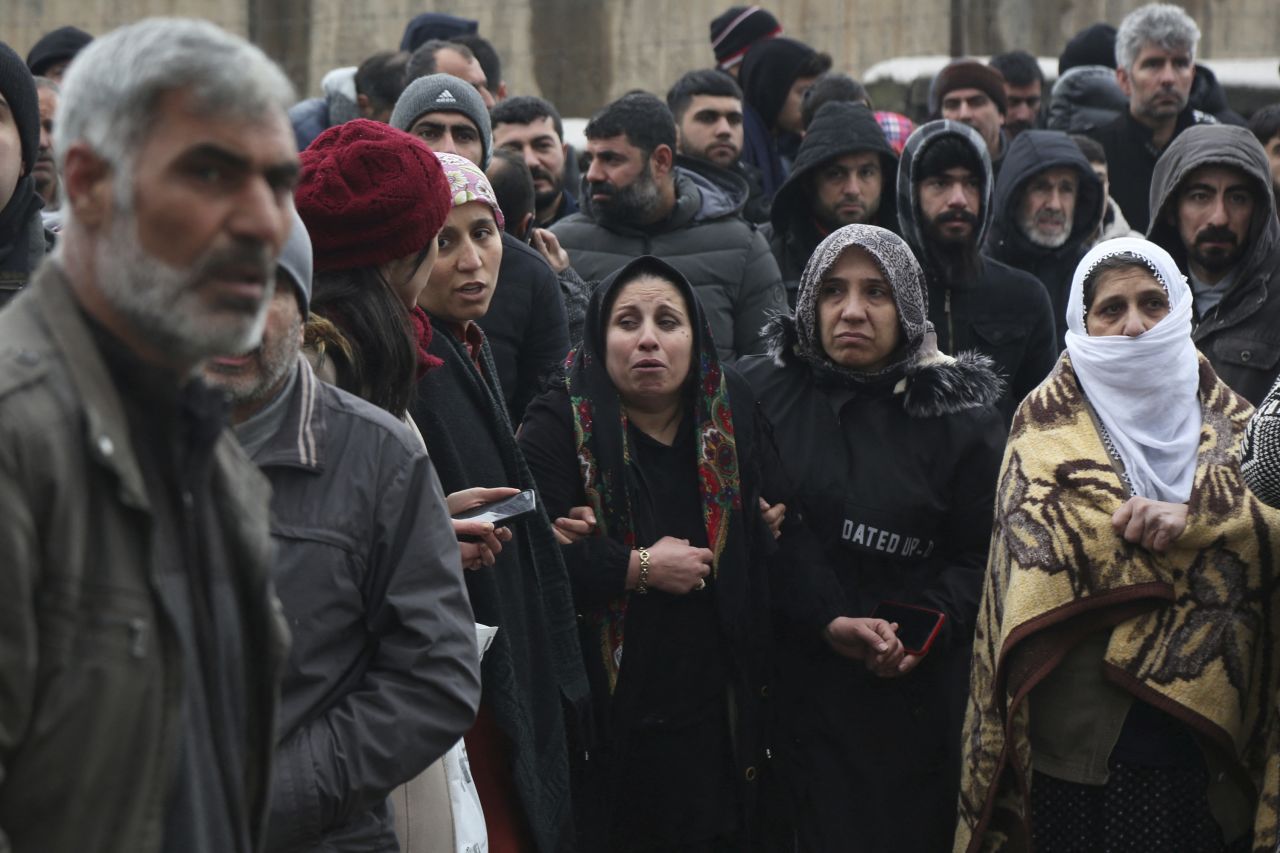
(1028, 225)
(272, 361)
(635, 204)
(163, 304)
(954, 261)
(1216, 260)
(830, 219)
(544, 199)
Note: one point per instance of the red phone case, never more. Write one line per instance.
(940, 620)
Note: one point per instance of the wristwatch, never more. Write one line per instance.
(642, 585)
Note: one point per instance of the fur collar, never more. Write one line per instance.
(933, 385)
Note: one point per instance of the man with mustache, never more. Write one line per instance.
(140, 641)
(1155, 67)
(975, 302)
(637, 200)
(1214, 211)
(45, 173)
(1048, 201)
(843, 175)
(531, 127)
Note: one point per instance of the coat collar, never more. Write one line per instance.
(300, 441)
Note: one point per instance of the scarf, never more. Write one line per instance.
(1193, 630)
(467, 184)
(903, 273)
(604, 452)
(421, 325)
(1143, 389)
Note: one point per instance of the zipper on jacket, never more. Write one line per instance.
(951, 332)
(138, 637)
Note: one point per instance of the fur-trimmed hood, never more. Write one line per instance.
(934, 384)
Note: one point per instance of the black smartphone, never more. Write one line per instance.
(504, 511)
(918, 627)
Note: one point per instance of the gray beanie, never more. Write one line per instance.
(295, 262)
(444, 93)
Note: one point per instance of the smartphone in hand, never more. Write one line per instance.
(918, 626)
(502, 512)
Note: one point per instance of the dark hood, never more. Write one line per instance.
(1208, 96)
(1217, 145)
(838, 129)
(596, 324)
(1086, 97)
(704, 192)
(435, 25)
(768, 70)
(924, 137)
(1031, 153)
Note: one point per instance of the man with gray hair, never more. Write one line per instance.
(140, 642)
(1155, 67)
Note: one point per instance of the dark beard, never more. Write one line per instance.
(950, 261)
(545, 200)
(1216, 261)
(634, 204)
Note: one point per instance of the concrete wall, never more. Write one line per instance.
(582, 53)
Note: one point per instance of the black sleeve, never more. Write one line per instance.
(967, 533)
(1041, 355)
(546, 338)
(597, 566)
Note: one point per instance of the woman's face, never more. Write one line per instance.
(857, 317)
(407, 277)
(1127, 302)
(461, 282)
(649, 343)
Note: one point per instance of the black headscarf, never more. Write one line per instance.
(604, 454)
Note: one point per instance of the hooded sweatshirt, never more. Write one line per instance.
(793, 232)
(1034, 152)
(727, 261)
(1240, 335)
(1001, 312)
(768, 70)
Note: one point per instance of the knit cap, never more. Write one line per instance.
(295, 262)
(19, 90)
(369, 194)
(733, 33)
(61, 45)
(1094, 45)
(444, 93)
(467, 183)
(967, 74)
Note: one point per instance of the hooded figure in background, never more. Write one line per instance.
(975, 302)
(23, 239)
(769, 71)
(893, 450)
(805, 210)
(1046, 183)
(1240, 332)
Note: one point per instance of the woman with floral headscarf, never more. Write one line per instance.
(655, 444)
(893, 449)
(1125, 652)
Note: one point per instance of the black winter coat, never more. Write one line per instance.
(1031, 153)
(725, 259)
(23, 239)
(525, 325)
(1241, 334)
(898, 488)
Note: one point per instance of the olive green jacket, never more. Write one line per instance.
(90, 667)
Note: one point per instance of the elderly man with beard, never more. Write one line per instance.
(1048, 202)
(140, 641)
(637, 200)
(975, 302)
(531, 127)
(383, 677)
(1215, 213)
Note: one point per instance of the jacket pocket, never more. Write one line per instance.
(1003, 340)
(1242, 351)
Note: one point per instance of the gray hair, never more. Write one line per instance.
(1161, 24)
(111, 92)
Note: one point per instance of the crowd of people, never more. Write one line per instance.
(346, 445)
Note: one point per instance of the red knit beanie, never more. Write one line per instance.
(370, 194)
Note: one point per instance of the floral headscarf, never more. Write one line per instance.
(467, 183)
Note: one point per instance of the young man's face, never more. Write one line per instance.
(711, 129)
(847, 189)
(975, 108)
(1214, 213)
(1159, 83)
(1023, 106)
(791, 116)
(949, 203)
(543, 152)
(450, 133)
(1273, 155)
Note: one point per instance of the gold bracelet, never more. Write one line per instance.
(642, 585)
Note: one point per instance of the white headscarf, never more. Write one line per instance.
(1144, 389)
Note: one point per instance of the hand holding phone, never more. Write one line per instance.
(918, 627)
(502, 512)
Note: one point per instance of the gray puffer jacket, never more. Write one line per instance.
(727, 260)
(1240, 335)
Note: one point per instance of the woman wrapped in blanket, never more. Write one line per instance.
(1125, 653)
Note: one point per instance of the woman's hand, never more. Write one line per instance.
(548, 245)
(488, 539)
(872, 641)
(579, 524)
(773, 516)
(1155, 525)
(677, 567)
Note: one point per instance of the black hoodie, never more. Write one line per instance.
(1241, 335)
(838, 129)
(1001, 312)
(1031, 153)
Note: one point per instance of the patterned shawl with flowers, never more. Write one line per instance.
(604, 452)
